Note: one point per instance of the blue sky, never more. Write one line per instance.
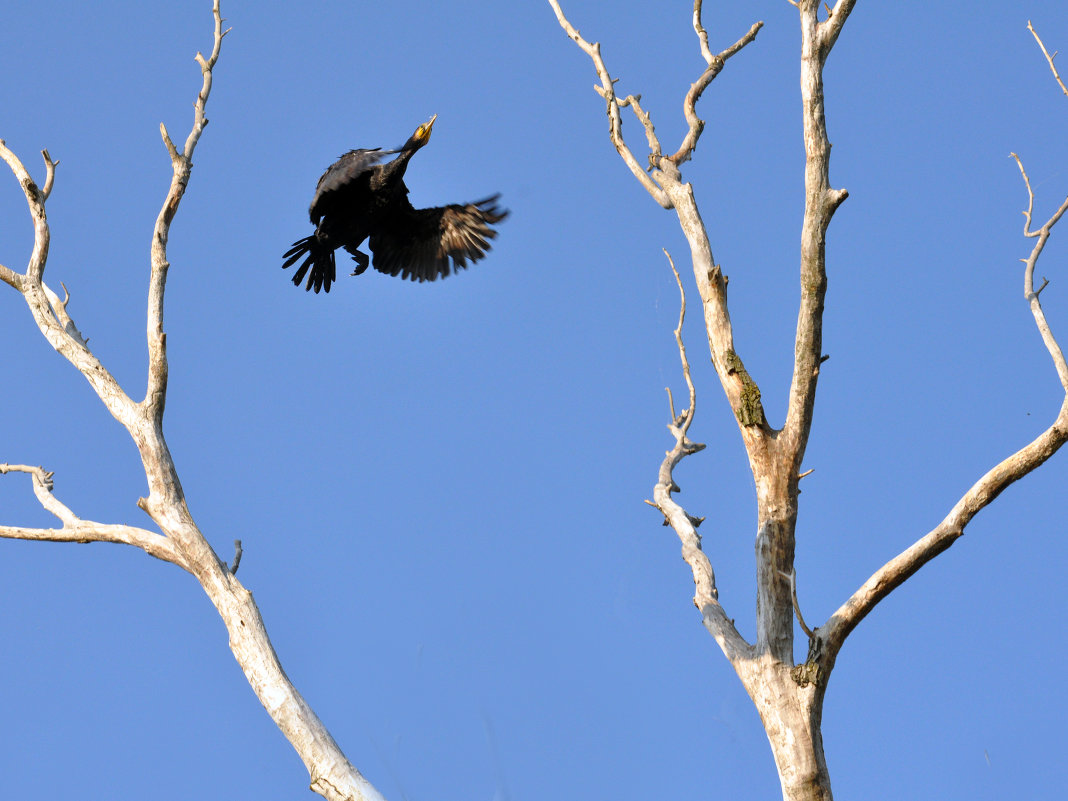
(439, 487)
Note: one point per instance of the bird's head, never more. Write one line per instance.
(421, 135)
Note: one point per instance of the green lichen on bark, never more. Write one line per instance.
(750, 411)
(807, 673)
(811, 670)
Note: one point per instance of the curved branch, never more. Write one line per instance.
(50, 174)
(77, 530)
(987, 488)
(715, 66)
(897, 570)
(181, 542)
(706, 596)
(181, 167)
(615, 127)
(35, 199)
(1042, 235)
(48, 311)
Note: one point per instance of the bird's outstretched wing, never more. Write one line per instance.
(424, 244)
(342, 173)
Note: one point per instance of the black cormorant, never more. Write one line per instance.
(360, 199)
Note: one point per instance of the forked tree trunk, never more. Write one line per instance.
(788, 697)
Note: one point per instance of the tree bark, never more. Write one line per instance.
(791, 715)
(789, 697)
(180, 541)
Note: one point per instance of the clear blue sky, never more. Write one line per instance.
(439, 487)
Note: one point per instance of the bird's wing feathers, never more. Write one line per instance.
(344, 172)
(348, 167)
(419, 244)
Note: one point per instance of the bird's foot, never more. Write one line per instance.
(362, 260)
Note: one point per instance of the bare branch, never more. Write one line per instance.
(169, 143)
(671, 402)
(35, 199)
(181, 166)
(634, 101)
(1042, 235)
(1030, 198)
(40, 476)
(699, 29)
(48, 311)
(50, 174)
(77, 530)
(715, 66)
(10, 277)
(706, 596)
(832, 26)
(1049, 58)
(792, 578)
(332, 775)
(982, 493)
(1012, 469)
(59, 309)
(667, 187)
(821, 201)
(607, 91)
(687, 416)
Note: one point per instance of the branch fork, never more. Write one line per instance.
(180, 541)
(789, 697)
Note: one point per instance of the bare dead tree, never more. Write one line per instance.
(178, 541)
(789, 696)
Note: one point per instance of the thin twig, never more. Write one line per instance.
(181, 168)
(48, 312)
(689, 105)
(1041, 236)
(1030, 199)
(706, 595)
(608, 92)
(792, 578)
(1049, 58)
(50, 174)
(59, 309)
(687, 415)
(634, 101)
(75, 529)
(702, 35)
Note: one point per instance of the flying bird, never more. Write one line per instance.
(359, 198)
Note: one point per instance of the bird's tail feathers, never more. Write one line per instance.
(319, 265)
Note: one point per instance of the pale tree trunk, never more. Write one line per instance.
(791, 715)
(788, 696)
(179, 541)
